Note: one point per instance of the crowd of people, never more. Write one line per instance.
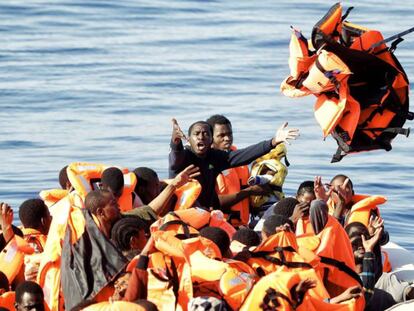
(215, 236)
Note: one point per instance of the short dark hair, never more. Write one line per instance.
(246, 236)
(218, 119)
(4, 282)
(113, 178)
(146, 304)
(274, 221)
(305, 187)
(285, 207)
(124, 229)
(200, 122)
(63, 177)
(31, 213)
(28, 287)
(356, 228)
(96, 199)
(218, 236)
(144, 176)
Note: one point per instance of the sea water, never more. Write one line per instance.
(99, 81)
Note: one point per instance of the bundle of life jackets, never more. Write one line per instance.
(361, 88)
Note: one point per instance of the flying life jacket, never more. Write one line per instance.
(187, 194)
(278, 250)
(52, 196)
(232, 181)
(270, 162)
(86, 177)
(361, 88)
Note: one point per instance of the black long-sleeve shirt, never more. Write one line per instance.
(213, 164)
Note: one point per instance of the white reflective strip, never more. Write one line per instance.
(127, 179)
(11, 252)
(85, 183)
(82, 168)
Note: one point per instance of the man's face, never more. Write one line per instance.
(30, 302)
(222, 137)
(200, 139)
(338, 182)
(111, 210)
(358, 249)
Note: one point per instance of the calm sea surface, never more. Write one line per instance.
(99, 81)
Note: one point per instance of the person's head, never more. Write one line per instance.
(285, 207)
(34, 214)
(318, 215)
(64, 179)
(247, 237)
(129, 233)
(305, 192)
(29, 296)
(148, 185)
(4, 283)
(354, 231)
(146, 304)
(219, 237)
(200, 137)
(338, 181)
(103, 205)
(275, 224)
(112, 179)
(222, 132)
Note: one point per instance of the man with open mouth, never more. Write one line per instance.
(210, 161)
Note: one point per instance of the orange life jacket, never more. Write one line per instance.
(231, 181)
(274, 291)
(187, 194)
(7, 300)
(85, 177)
(52, 196)
(114, 306)
(49, 271)
(337, 265)
(229, 279)
(35, 238)
(12, 257)
(278, 250)
(364, 206)
(187, 222)
(359, 120)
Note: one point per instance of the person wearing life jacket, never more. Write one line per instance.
(29, 296)
(337, 265)
(7, 297)
(349, 207)
(243, 238)
(300, 216)
(52, 196)
(382, 290)
(231, 184)
(210, 161)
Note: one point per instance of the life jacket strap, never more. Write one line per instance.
(282, 261)
(342, 267)
(186, 229)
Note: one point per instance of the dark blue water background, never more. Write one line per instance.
(100, 81)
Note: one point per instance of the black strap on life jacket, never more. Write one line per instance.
(186, 229)
(328, 74)
(342, 267)
(282, 261)
(270, 302)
